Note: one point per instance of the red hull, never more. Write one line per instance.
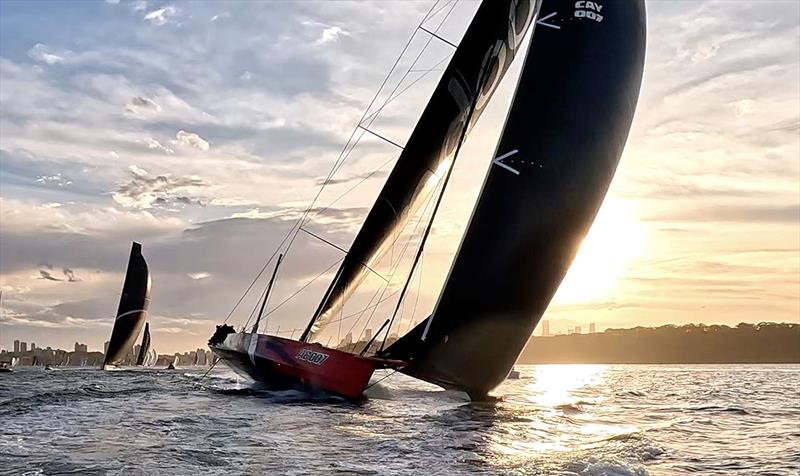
(283, 363)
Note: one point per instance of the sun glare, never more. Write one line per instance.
(615, 239)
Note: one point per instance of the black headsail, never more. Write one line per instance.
(559, 150)
(132, 311)
(145, 347)
(478, 64)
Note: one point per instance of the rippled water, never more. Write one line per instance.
(554, 420)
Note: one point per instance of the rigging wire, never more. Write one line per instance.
(292, 231)
(396, 265)
(351, 144)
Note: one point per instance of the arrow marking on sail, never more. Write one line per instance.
(542, 22)
(498, 161)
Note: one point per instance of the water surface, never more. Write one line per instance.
(554, 420)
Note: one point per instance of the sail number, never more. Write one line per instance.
(589, 10)
(316, 358)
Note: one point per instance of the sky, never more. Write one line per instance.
(203, 129)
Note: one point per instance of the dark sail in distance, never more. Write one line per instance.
(132, 311)
(560, 147)
(477, 66)
(145, 347)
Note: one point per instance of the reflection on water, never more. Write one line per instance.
(554, 385)
(554, 420)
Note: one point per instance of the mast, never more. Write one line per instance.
(487, 48)
(266, 294)
(559, 150)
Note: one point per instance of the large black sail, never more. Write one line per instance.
(482, 58)
(559, 150)
(132, 311)
(145, 347)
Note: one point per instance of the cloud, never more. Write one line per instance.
(112, 2)
(142, 107)
(156, 145)
(743, 107)
(56, 180)
(161, 16)
(220, 16)
(329, 34)
(70, 274)
(44, 274)
(191, 139)
(144, 191)
(738, 213)
(42, 53)
(333, 33)
(199, 276)
(352, 178)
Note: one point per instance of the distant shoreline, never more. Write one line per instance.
(767, 343)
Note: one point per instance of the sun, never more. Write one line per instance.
(616, 238)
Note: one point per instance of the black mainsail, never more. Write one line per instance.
(477, 66)
(560, 147)
(132, 311)
(144, 349)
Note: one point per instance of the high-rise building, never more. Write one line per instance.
(592, 328)
(368, 334)
(33, 346)
(23, 346)
(81, 347)
(16, 346)
(545, 328)
(577, 329)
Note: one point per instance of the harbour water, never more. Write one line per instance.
(553, 420)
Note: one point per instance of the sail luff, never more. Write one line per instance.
(460, 97)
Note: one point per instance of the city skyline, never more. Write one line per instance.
(203, 130)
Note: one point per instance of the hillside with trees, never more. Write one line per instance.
(766, 343)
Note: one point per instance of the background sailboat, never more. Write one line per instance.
(144, 348)
(132, 311)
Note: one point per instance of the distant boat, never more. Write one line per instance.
(150, 359)
(144, 349)
(559, 148)
(132, 311)
(6, 367)
(174, 364)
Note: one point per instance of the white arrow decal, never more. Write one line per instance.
(542, 22)
(498, 161)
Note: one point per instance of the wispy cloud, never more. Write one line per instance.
(146, 191)
(162, 16)
(191, 139)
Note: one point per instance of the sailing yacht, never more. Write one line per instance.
(564, 134)
(144, 348)
(132, 311)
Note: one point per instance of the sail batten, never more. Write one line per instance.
(564, 134)
(488, 46)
